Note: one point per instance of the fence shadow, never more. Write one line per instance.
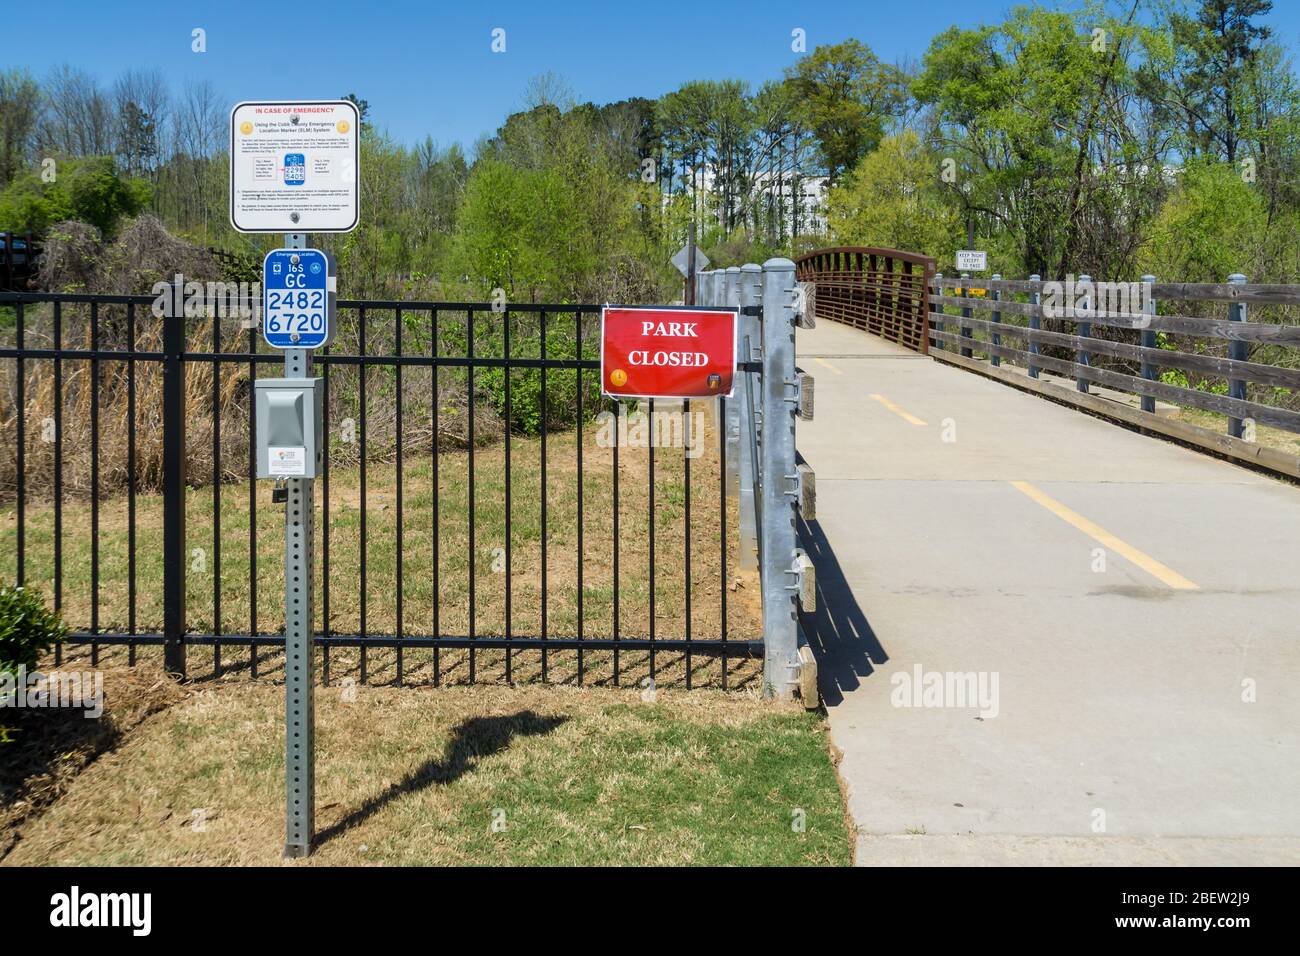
(472, 740)
(839, 633)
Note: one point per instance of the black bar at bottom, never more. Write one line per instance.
(729, 648)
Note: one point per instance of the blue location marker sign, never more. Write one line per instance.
(298, 293)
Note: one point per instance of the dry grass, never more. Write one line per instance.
(577, 776)
(444, 609)
(47, 749)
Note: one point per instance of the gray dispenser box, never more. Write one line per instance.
(290, 421)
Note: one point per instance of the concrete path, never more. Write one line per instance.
(1130, 610)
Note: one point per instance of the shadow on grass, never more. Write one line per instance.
(839, 633)
(472, 740)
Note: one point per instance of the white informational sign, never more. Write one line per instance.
(287, 461)
(971, 260)
(293, 166)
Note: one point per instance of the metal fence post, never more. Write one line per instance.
(1035, 322)
(174, 559)
(1148, 341)
(938, 310)
(1237, 351)
(299, 642)
(965, 314)
(996, 294)
(749, 280)
(780, 569)
(1084, 330)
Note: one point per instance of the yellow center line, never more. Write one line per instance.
(822, 361)
(905, 415)
(1144, 561)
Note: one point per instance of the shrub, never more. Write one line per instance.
(27, 628)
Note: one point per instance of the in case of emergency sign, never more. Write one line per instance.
(667, 352)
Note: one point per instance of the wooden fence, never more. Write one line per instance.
(1129, 337)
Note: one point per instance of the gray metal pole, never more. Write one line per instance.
(1148, 340)
(1035, 322)
(1238, 351)
(995, 294)
(299, 656)
(749, 280)
(780, 391)
(1081, 356)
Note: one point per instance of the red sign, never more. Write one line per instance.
(667, 351)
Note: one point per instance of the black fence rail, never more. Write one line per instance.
(485, 514)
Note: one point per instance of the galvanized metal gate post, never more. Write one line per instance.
(299, 656)
(779, 562)
(749, 283)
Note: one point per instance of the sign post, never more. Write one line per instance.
(293, 169)
(972, 260)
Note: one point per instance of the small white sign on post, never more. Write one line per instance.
(971, 260)
(294, 166)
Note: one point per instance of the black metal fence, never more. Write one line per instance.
(474, 523)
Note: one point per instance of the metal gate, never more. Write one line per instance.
(474, 525)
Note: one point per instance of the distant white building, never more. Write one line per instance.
(800, 199)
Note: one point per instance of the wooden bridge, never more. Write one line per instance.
(1045, 633)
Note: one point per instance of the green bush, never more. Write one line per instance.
(27, 628)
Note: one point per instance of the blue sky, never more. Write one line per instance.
(427, 67)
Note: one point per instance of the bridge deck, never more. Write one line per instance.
(1119, 690)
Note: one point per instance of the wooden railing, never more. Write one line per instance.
(882, 291)
(1244, 370)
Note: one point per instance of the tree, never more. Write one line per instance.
(846, 97)
(20, 107)
(1220, 46)
(89, 190)
(893, 199)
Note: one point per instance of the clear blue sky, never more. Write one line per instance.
(427, 67)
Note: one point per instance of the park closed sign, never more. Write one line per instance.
(667, 351)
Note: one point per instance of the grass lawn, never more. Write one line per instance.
(459, 775)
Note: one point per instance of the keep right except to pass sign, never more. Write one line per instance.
(667, 351)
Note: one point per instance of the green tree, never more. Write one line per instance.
(892, 198)
(846, 97)
(89, 190)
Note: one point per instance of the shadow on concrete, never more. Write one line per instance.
(472, 740)
(839, 633)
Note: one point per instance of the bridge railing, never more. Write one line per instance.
(882, 291)
(1142, 338)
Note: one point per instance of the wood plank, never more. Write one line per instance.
(1166, 358)
(1233, 407)
(1248, 453)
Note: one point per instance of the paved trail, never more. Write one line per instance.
(1119, 588)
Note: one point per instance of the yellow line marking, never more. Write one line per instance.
(1144, 561)
(905, 415)
(822, 361)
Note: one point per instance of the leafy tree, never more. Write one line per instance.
(892, 198)
(1219, 46)
(846, 97)
(90, 190)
